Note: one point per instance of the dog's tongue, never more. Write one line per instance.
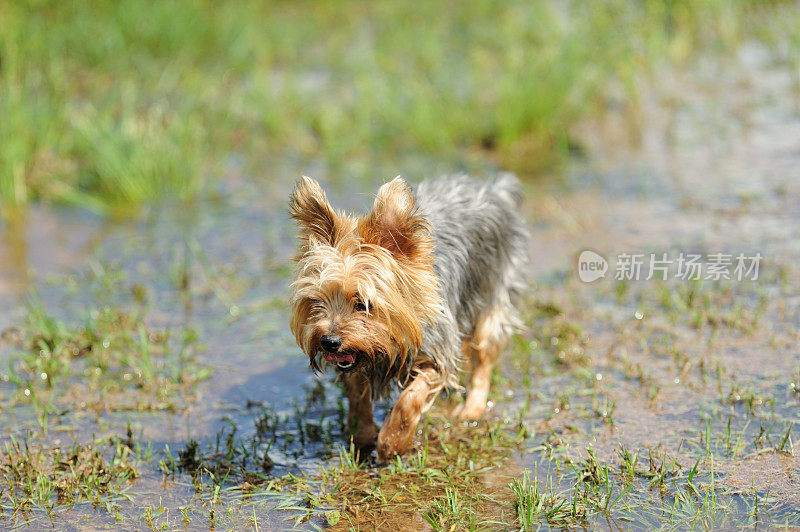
(340, 357)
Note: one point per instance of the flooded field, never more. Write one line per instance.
(150, 380)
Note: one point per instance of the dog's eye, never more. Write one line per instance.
(359, 306)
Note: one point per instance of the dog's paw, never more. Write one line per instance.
(393, 443)
(365, 439)
(388, 451)
(469, 411)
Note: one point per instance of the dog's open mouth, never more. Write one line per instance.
(343, 361)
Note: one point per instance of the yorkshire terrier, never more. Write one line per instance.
(426, 281)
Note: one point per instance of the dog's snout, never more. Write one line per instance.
(331, 343)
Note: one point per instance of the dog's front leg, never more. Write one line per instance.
(398, 429)
(359, 417)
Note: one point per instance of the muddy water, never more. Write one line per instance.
(709, 164)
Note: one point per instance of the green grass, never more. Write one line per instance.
(536, 504)
(36, 480)
(113, 104)
(111, 362)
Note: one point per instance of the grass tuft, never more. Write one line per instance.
(113, 362)
(34, 478)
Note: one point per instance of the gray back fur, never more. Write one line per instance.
(481, 253)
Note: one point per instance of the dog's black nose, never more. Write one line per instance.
(331, 343)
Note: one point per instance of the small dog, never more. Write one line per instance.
(427, 280)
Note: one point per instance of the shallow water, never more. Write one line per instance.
(712, 168)
(715, 172)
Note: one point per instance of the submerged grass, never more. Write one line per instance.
(453, 480)
(580, 467)
(535, 504)
(112, 362)
(38, 482)
(602, 467)
(114, 104)
(458, 477)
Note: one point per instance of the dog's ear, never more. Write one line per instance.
(314, 215)
(396, 224)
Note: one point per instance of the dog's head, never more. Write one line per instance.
(364, 286)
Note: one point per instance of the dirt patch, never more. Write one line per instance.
(777, 475)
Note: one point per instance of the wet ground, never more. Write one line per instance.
(696, 373)
(622, 386)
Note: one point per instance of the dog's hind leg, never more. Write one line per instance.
(488, 340)
(416, 398)
(359, 418)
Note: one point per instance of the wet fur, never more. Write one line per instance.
(439, 269)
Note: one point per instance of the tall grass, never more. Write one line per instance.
(118, 103)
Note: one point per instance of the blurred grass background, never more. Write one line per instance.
(112, 104)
